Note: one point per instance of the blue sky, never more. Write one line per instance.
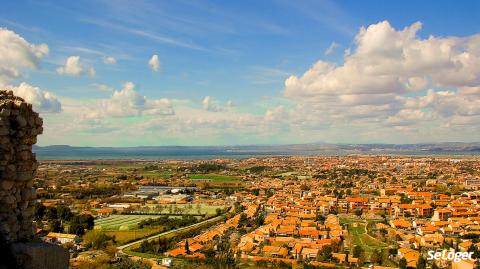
(223, 65)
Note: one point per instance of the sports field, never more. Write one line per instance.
(121, 222)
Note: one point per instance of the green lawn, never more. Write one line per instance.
(359, 237)
(213, 177)
(123, 237)
(141, 254)
(122, 222)
(156, 174)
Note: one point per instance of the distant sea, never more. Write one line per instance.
(236, 152)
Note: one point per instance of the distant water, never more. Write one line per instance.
(144, 154)
(228, 152)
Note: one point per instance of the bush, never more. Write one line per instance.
(127, 263)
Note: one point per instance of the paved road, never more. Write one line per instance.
(121, 248)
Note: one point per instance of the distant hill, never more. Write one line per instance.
(208, 152)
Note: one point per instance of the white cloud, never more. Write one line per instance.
(374, 83)
(109, 60)
(42, 101)
(410, 116)
(126, 102)
(392, 87)
(74, 67)
(17, 54)
(331, 48)
(154, 63)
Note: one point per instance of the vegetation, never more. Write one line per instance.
(127, 263)
(169, 223)
(214, 177)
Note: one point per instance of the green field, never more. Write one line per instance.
(122, 237)
(212, 177)
(121, 222)
(361, 238)
(156, 174)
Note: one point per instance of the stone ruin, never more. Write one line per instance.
(19, 127)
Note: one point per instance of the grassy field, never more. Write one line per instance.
(121, 222)
(142, 255)
(213, 177)
(126, 236)
(155, 174)
(361, 238)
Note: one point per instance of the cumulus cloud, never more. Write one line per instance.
(42, 101)
(74, 67)
(126, 102)
(17, 54)
(109, 60)
(154, 63)
(375, 81)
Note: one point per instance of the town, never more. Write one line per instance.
(376, 212)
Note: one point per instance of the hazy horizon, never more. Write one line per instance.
(255, 145)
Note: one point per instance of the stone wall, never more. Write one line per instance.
(19, 127)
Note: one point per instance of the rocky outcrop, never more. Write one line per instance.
(19, 127)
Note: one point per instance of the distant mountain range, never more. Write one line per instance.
(64, 152)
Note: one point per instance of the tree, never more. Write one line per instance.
(39, 211)
(127, 263)
(358, 212)
(80, 223)
(259, 220)
(96, 239)
(187, 248)
(269, 193)
(476, 252)
(51, 213)
(243, 219)
(64, 212)
(357, 251)
(325, 254)
(376, 257)
(76, 228)
(434, 265)
(421, 263)
(320, 218)
(56, 226)
(402, 263)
